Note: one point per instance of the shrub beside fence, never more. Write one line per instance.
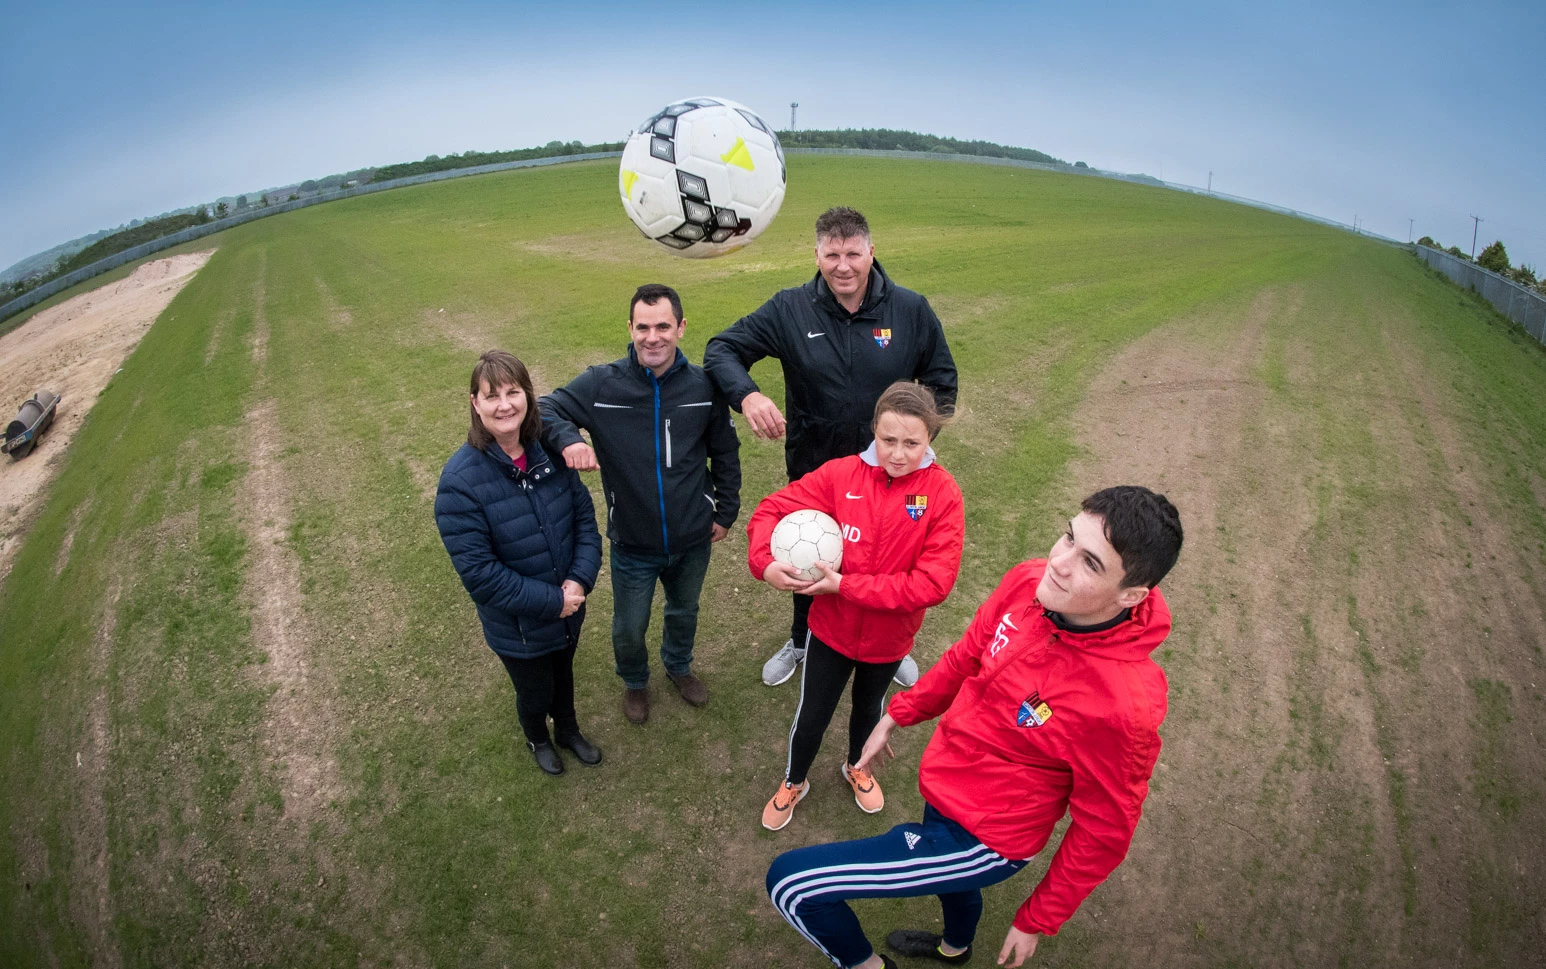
(1523, 306)
(35, 296)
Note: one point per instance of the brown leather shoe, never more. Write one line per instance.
(691, 688)
(636, 705)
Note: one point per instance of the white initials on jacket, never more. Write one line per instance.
(1000, 636)
(850, 533)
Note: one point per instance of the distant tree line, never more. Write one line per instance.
(1495, 258)
(128, 238)
(890, 139)
(137, 232)
(472, 159)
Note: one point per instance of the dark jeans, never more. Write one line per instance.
(633, 590)
(825, 674)
(544, 687)
(811, 886)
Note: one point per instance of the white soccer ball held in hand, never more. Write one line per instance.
(702, 177)
(803, 538)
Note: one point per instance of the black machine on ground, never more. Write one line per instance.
(36, 413)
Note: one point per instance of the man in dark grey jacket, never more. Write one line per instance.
(671, 469)
(843, 338)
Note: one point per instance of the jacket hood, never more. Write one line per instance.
(1128, 641)
(876, 293)
(871, 457)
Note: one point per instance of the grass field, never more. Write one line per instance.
(247, 716)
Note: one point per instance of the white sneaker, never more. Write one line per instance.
(781, 666)
(906, 674)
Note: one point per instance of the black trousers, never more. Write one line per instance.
(825, 674)
(801, 624)
(544, 687)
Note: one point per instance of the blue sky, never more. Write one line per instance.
(1381, 111)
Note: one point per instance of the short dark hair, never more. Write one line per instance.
(841, 222)
(908, 399)
(651, 293)
(1143, 527)
(498, 368)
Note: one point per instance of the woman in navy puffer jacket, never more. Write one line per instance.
(522, 535)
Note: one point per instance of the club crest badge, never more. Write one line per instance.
(882, 336)
(916, 506)
(1033, 711)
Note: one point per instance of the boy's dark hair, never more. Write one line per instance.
(651, 293)
(841, 222)
(498, 368)
(1143, 527)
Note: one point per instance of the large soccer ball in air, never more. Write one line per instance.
(702, 177)
(806, 537)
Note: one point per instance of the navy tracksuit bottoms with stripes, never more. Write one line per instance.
(810, 887)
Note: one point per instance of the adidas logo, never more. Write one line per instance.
(912, 840)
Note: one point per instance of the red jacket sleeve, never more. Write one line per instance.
(1111, 780)
(937, 689)
(814, 490)
(932, 576)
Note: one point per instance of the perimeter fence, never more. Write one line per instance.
(1149, 180)
(35, 296)
(1523, 306)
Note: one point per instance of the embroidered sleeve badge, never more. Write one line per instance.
(916, 506)
(1033, 711)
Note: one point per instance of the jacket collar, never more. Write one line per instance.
(871, 457)
(538, 464)
(643, 371)
(876, 293)
(1128, 641)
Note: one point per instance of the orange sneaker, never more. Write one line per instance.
(780, 806)
(866, 789)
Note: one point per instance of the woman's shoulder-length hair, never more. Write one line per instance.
(496, 369)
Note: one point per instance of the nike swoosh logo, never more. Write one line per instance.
(812, 336)
(852, 495)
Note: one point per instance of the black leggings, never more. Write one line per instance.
(821, 686)
(544, 687)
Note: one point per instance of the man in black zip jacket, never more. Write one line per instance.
(843, 338)
(670, 466)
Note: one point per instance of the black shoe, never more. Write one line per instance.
(588, 753)
(547, 758)
(923, 945)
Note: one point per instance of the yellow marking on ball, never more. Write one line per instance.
(738, 156)
(628, 179)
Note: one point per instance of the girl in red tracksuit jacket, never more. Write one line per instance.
(903, 527)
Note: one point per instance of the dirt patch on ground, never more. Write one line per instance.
(1340, 680)
(299, 732)
(73, 349)
(93, 909)
(470, 331)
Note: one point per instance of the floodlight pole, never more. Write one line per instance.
(1474, 226)
(792, 106)
(1210, 183)
(1409, 229)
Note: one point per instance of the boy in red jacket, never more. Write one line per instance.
(1049, 704)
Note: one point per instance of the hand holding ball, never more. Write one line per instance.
(806, 537)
